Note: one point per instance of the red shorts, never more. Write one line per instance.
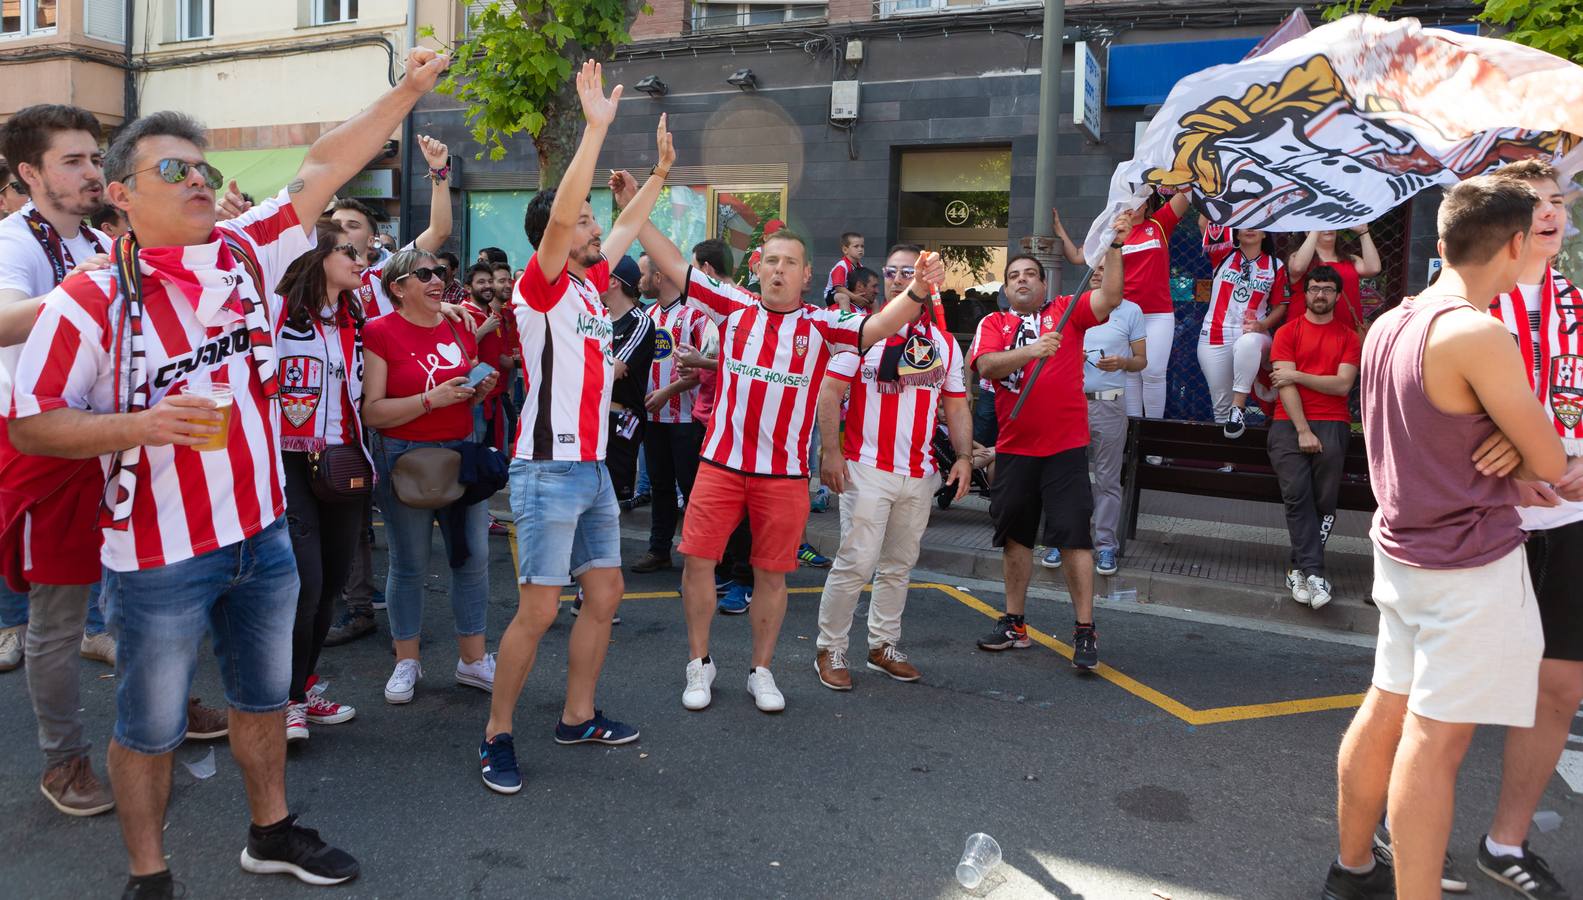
(777, 510)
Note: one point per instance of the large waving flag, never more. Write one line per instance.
(1334, 128)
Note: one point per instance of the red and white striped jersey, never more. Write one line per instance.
(566, 364)
(837, 279)
(674, 325)
(186, 502)
(771, 365)
(889, 425)
(1243, 287)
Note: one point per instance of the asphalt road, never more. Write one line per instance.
(1092, 790)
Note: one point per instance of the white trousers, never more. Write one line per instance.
(883, 516)
(1146, 389)
(1232, 368)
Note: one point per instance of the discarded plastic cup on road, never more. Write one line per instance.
(980, 856)
(1130, 595)
(1547, 820)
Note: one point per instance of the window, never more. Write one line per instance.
(711, 14)
(333, 12)
(105, 19)
(196, 19)
(20, 18)
(903, 7)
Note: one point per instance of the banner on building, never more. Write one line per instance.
(1334, 128)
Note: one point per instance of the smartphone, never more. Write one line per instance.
(479, 373)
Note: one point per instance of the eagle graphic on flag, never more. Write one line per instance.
(1336, 127)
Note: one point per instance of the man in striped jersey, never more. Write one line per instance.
(561, 491)
(194, 538)
(885, 472)
(773, 353)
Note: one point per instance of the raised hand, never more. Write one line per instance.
(424, 68)
(665, 146)
(928, 272)
(598, 109)
(435, 153)
(623, 187)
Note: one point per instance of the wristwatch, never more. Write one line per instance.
(1117, 245)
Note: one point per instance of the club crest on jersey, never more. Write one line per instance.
(1049, 322)
(800, 345)
(301, 381)
(663, 343)
(1566, 389)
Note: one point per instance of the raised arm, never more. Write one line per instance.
(635, 208)
(928, 273)
(663, 254)
(1368, 265)
(1303, 257)
(337, 156)
(438, 156)
(1074, 253)
(1108, 297)
(599, 111)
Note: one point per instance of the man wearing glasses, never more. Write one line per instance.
(1316, 363)
(164, 365)
(13, 193)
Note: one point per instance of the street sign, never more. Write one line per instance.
(1088, 90)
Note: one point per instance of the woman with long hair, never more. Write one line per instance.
(1329, 248)
(416, 394)
(319, 345)
(1247, 302)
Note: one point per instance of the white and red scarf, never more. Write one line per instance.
(1560, 341)
(306, 363)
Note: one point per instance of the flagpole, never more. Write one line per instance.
(1059, 327)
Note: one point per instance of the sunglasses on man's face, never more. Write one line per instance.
(425, 273)
(904, 271)
(175, 171)
(17, 186)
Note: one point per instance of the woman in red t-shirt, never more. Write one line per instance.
(1321, 248)
(415, 394)
(1146, 256)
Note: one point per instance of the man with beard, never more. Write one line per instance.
(1041, 457)
(1316, 358)
(127, 364)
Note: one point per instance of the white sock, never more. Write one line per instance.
(1357, 870)
(1502, 849)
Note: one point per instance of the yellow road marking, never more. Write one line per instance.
(1216, 716)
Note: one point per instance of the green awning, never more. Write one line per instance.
(261, 173)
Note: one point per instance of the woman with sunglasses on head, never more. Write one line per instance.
(1326, 248)
(416, 394)
(320, 347)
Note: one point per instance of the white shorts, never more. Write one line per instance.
(1463, 644)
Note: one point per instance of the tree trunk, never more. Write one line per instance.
(557, 141)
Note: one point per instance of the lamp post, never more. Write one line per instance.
(1041, 243)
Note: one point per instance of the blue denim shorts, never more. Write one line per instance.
(244, 596)
(567, 520)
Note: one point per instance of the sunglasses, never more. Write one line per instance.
(904, 271)
(175, 171)
(349, 250)
(17, 186)
(425, 273)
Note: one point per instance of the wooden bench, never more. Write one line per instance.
(1192, 455)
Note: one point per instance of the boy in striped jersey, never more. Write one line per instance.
(773, 353)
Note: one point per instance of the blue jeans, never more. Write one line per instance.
(410, 534)
(567, 520)
(643, 473)
(13, 608)
(95, 624)
(243, 596)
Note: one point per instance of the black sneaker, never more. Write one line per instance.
(1451, 880)
(349, 627)
(1528, 874)
(652, 562)
(1236, 423)
(294, 850)
(1085, 647)
(1008, 633)
(159, 886)
(1379, 883)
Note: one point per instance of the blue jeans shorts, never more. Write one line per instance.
(567, 520)
(243, 596)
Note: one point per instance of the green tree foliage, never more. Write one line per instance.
(514, 70)
(1554, 26)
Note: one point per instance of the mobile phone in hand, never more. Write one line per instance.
(479, 373)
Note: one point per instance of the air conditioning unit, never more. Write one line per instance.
(843, 101)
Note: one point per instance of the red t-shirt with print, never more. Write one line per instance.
(417, 359)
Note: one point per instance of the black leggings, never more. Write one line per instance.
(323, 538)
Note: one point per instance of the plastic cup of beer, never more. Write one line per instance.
(221, 395)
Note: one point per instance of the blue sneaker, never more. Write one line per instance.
(723, 586)
(1105, 562)
(1051, 559)
(598, 730)
(820, 500)
(498, 761)
(378, 601)
(736, 600)
(808, 556)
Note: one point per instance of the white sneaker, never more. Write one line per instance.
(700, 676)
(1319, 591)
(1298, 585)
(403, 681)
(766, 696)
(11, 640)
(480, 674)
(98, 646)
(296, 722)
